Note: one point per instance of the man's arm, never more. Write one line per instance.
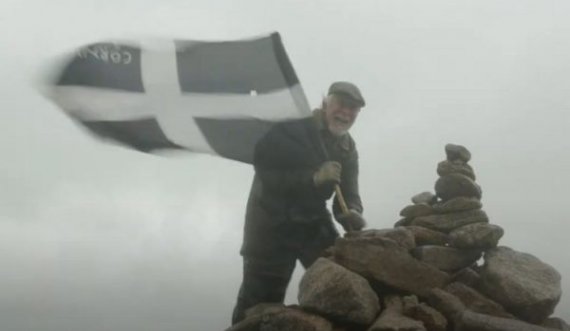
(349, 186)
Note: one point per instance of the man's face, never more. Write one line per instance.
(340, 115)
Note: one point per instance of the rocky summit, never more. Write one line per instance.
(440, 268)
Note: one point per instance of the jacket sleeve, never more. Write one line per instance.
(349, 186)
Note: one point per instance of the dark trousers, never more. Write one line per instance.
(265, 278)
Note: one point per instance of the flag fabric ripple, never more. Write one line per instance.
(209, 97)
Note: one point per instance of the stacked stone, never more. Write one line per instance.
(422, 275)
(450, 227)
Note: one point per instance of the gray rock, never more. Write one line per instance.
(446, 303)
(476, 301)
(285, 319)
(445, 168)
(456, 205)
(448, 222)
(471, 321)
(424, 197)
(467, 276)
(431, 318)
(456, 185)
(392, 318)
(446, 258)
(425, 236)
(420, 209)
(403, 222)
(331, 290)
(556, 324)
(384, 261)
(457, 152)
(478, 235)
(401, 235)
(524, 285)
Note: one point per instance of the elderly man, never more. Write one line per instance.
(297, 166)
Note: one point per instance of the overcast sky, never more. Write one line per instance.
(98, 237)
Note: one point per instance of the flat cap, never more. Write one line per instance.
(346, 89)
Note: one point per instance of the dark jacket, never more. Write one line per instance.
(285, 210)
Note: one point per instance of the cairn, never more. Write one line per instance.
(439, 269)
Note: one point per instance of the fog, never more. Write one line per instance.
(99, 237)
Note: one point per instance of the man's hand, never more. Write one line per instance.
(351, 221)
(329, 172)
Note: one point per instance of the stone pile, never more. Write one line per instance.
(439, 269)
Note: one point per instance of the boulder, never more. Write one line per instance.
(456, 185)
(524, 285)
(471, 321)
(332, 290)
(467, 276)
(457, 153)
(456, 205)
(446, 303)
(384, 261)
(446, 167)
(431, 318)
(478, 235)
(424, 197)
(448, 222)
(425, 236)
(392, 318)
(264, 308)
(446, 258)
(476, 301)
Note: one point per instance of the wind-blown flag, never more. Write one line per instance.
(210, 97)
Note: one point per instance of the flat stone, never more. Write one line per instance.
(424, 236)
(527, 287)
(403, 222)
(401, 235)
(478, 235)
(456, 185)
(476, 301)
(285, 319)
(446, 167)
(457, 152)
(448, 222)
(456, 205)
(420, 209)
(446, 258)
(334, 291)
(424, 197)
(386, 262)
(472, 321)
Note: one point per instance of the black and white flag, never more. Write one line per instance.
(209, 97)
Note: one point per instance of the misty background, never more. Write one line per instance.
(99, 237)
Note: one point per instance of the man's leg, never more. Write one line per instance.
(314, 248)
(264, 280)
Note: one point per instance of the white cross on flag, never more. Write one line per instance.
(210, 97)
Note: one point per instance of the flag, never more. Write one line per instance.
(210, 97)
